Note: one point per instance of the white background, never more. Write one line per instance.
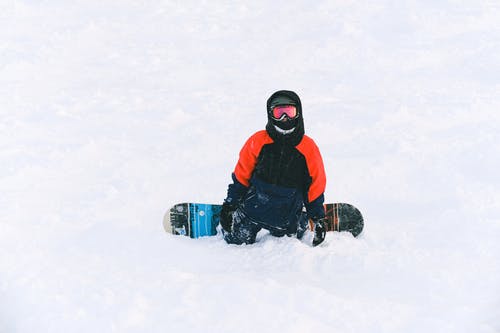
(112, 111)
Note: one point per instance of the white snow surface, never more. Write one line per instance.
(112, 111)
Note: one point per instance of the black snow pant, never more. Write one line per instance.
(245, 229)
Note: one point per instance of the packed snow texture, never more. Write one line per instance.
(112, 111)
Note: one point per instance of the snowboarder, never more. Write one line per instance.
(279, 180)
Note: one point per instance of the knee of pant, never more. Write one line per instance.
(238, 239)
(242, 233)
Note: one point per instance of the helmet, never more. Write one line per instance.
(284, 114)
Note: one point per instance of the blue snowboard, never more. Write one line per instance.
(197, 220)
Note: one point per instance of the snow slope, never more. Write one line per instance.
(111, 111)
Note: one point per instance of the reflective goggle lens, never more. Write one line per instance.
(281, 110)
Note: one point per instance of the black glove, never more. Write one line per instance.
(319, 231)
(226, 216)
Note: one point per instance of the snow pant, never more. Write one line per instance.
(245, 230)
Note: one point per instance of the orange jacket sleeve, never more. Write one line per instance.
(248, 156)
(315, 166)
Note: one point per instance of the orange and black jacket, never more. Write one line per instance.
(277, 175)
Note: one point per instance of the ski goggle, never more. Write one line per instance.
(278, 112)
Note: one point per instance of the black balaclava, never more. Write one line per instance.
(289, 132)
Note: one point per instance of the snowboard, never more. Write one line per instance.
(199, 219)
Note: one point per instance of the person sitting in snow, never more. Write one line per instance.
(279, 180)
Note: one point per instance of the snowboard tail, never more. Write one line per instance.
(344, 217)
(192, 219)
(198, 219)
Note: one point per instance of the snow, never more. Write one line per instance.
(110, 112)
